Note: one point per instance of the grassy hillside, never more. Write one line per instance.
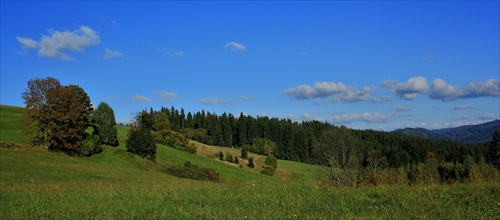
(11, 127)
(115, 184)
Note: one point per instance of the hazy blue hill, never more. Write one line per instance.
(480, 133)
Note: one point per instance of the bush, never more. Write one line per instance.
(221, 156)
(229, 157)
(191, 171)
(268, 170)
(272, 161)
(250, 162)
(236, 160)
(244, 153)
(141, 142)
(91, 146)
(174, 140)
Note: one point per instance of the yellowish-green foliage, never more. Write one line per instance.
(118, 185)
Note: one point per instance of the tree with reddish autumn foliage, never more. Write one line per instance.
(57, 116)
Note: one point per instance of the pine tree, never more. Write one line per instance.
(493, 151)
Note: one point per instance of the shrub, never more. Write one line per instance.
(141, 142)
(221, 156)
(229, 157)
(244, 153)
(268, 170)
(174, 139)
(194, 172)
(250, 162)
(91, 146)
(236, 160)
(272, 161)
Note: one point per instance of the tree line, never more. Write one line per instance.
(294, 141)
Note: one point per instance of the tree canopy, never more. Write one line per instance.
(105, 120)
(57, 116)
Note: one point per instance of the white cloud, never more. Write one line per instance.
(126, 121)
(463, 107)
(429, 58)
(167, 96)
(58, 43)
(301, 117)
(233, 46)
(214, 101)
(400, 108)
(110, 54)
(336, 92)
(245, 98)
(487, 117)
(140, 98)
(177, 54)
(466, 117)
(27, 43)
(364, 117)
(409, 89)
(444, 92)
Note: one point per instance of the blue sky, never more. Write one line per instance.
(366, 65)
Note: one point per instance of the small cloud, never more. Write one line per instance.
(400, 108)
(214, 101)
(466, 117)
(487, 117)
(463, 107)
(301, 117)
(177, 54)
(407, 90)
(245, 98)
(364, 117)
(126, 121)
(444, 92)
(110, 54)
(58, 43)
(429, 58)
(140, 98)
(115, 23)
(382, 99)
(167, 96)
(336, 92)
(27, 43)
(233, 46)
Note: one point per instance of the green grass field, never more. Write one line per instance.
(114, 184)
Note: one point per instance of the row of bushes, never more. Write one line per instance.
(430, 172)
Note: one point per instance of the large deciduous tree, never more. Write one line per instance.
(338, 148)
(57, 116)
(35, 98)
(105, 121)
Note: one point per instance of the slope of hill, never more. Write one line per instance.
(480, 133)
(37, 184)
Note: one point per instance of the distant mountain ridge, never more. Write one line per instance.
(480, 133)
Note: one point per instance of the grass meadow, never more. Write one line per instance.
(117, 185)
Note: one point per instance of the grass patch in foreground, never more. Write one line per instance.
(151, 200)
